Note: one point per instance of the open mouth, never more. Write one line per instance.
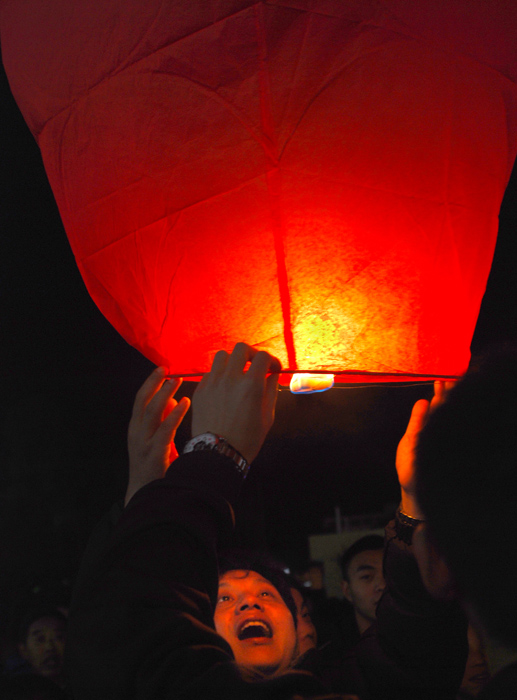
(482, 677)
(254, 628)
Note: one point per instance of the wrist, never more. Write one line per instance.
(212, 442)
(405, 525)
(409, 506)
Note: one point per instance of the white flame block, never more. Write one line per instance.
(311, 383)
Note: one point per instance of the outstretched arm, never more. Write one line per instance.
(141, 624)
(232, 403)
(418, 646)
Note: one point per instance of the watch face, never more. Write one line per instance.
(205, 441)
(209, 441)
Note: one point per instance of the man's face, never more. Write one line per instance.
(44, 646)
(365, 585)
(253, 618)
(305, 630)
(477, 673)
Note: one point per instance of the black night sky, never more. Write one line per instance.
(68, 382)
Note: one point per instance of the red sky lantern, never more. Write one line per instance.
(319, 178)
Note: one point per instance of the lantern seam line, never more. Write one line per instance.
(351, 183)
(409, 35)
(175, 212)
(273, 183)
(258, 177)
(263, 174)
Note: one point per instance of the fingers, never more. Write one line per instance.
(166, 432)
(152, 428)
(159, 402)
(422, 408)
(241, 355)
(173, 420)
(271, 395)
(263, 363)
(148, 389)
(219, 363)
(418, 416)
(235, 363)
(169, 407)
(440, 392)
(218, 366)
(154, 402)
(235, 403)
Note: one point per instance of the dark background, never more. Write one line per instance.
(68, 381)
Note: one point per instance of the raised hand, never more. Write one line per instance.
(406, 450)
(236, 404)
(152, 428)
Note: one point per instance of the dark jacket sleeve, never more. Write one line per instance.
(418, 647)
(141, 622)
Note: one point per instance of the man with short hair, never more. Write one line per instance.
(363, 579)
(42, 637)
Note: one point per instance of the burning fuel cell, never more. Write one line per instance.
(311, 383)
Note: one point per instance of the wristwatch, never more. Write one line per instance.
(211, 441)
(405, 526)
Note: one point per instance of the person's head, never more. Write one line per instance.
(466, 486)
(256, 614)
(305, 630)
(41, 642)
(312, 576)
(362, 578)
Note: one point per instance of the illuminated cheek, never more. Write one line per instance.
(221, 625)
(290, 641)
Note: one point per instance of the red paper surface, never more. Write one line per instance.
(318, 178)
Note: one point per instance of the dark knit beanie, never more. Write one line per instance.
(263, 565)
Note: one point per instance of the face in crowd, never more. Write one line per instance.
(364, 585)
(254, 619)
(477, 673)
(305, 630)
(44, 647)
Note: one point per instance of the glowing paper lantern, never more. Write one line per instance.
(319, 178)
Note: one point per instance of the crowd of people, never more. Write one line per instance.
(165, 607)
